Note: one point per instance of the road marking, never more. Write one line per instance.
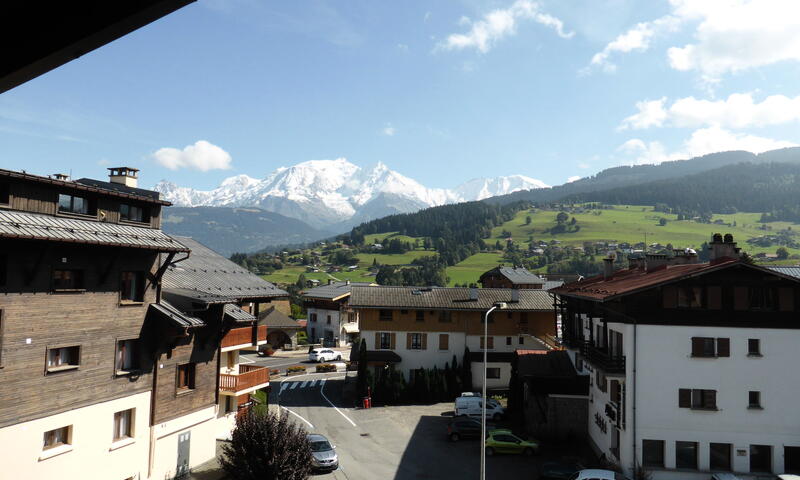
(322, 391)
(294, 385)
(298, 416)
(313, 382)
(303, 385)
(283, 387)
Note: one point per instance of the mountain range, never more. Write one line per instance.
(336, 194)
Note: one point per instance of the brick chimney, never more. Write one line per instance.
(61, 176)
(124, 175)
(656, 260)
(723, 247)
(635, 263)
(684, 256)
(608, 266)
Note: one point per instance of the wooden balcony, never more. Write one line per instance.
(244, 336)
(261, 336)
(601, 359)
(249, 376)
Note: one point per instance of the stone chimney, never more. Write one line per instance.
(61, 176)
(635, 263)
(124, 175)
(347, 282)
(330, 281)
(514, 295)
(723, 247)
(473, 294)
(685, 256)
(608, 266)
(656, 260)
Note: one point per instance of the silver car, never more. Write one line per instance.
(323, 454)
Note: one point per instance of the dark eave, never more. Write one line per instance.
(41, 36)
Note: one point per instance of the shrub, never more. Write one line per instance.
(295, 369)
(326, 367)
(265, 446)
(274, 371)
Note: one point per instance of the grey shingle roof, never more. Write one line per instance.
(548, 284)
(185, 296)
(272, 318)
(14, 224)
(169, 312)
(516, 275)
(441, 298)
(209, 272)
(237, 314)
(333, 290)
(790, 271)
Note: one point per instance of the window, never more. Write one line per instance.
(185, 380)
(754, 399)
(521, 340)
(123, 424)
(710, 347)
(686, 455)
(719, 456)
(313, 317)
(444, 341)
(127, 356)
(791, 459)
(760, 458)
(616, 391)
(415, 341)
(3, 269)
(63, 358)
(492, 373)
(385, 315)
(385, 341)
(67, 280)
(5, 193)
(508, 340)
(313, 333)
(697, 399)
(653, 453)
(690, 297)
(57, 437)
(132, 287)
(600, 380)
(133, 213)
(445, 316)
(403, 312)
(74, 204)
(763, 298)
(491, 343)
(753, 347)
(329, 319)
(420, 315)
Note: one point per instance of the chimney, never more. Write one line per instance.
(330, 281)
(473, 294)
(514, 295)
(685, 257)
(61, 176)
(608, 266)
(723, 248)
(124, 176)
(347, 282)
(656, 260)
(635, 263)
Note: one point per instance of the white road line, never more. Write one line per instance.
(298, 416)
(283, 387)
(294, 385)
(313, 382)
(322, 391)
(303, 385)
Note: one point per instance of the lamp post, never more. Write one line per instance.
(500, 305)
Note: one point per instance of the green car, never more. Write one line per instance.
(503, 441)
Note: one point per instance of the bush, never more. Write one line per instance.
(274, 371)
(326, 367)
(265, 446)
(295, 369)
(302, 338)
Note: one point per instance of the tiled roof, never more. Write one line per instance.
(440, 298)
(516, 275)
(167, 311)
(333, 290)
(237, 314)
(23, 225)
(273, 318)
(209, 272)
(628, 281)
(120, 188)
(553, 363)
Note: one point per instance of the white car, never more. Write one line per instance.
(595, 474)
(324, 355)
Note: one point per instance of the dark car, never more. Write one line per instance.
(463, 427)
(559, 470)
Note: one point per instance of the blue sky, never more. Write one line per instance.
(441, 91)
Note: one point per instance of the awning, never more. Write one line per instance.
(232, 312)
(171, 314)
(350, 328)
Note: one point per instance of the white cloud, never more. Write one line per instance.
(498, 24)
(389, 130)
(728, 36)
(573, 178)
(702, 142)
(402, 47)
(738, 111)
(202, 156)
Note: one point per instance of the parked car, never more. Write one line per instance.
(473, 406)
(323, 355)
(463, 427)
(323, 454)
(559, 470)
(596, 474)
(503, 441)
(788, 476)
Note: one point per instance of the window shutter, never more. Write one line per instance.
(482, 340)
(377, 340)
(670, 296)
(491, 343)
(697, 346)
(408, 341)
(394, 336)
(444, 340)
(723, 347)
(714, 294)
(786, 299)
(424, 341)
(709, 398)
(684, 398)
(740, 298)
(615, 391)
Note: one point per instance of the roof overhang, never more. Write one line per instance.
(237, 315)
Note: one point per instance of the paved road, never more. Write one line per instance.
(282, 361)
(400, 443)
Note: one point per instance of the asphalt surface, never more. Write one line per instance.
(282, 361)
(400, 443)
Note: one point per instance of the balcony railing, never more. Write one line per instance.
(249, 376)
(243, 336)
(602, 359)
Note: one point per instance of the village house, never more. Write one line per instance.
(689, 363)
(423, 327)
(516, 277)
(330, 319)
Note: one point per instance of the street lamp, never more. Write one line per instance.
(500, 305)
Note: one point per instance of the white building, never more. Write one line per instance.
(330, 320)
(691, 364)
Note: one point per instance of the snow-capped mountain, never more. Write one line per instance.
(336, 192)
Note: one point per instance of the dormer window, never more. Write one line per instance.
(74, 204)
(133, 213)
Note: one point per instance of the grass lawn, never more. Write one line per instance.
(365, 259)
(469, 269)
(373, 238)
